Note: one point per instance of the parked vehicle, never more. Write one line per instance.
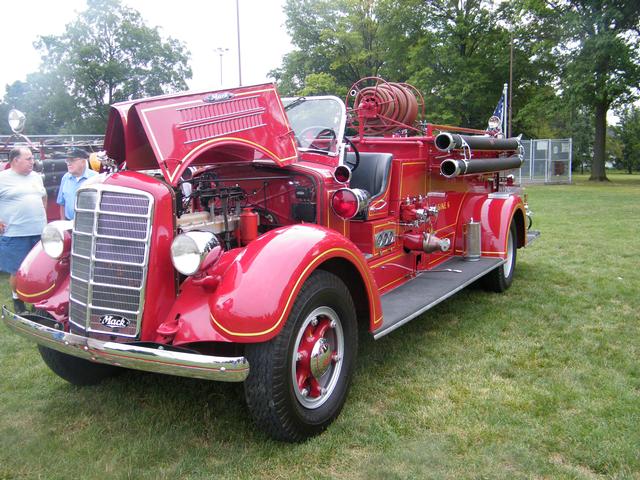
(245, 238)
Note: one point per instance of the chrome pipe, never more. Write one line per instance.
(446, 142)
(451, 168)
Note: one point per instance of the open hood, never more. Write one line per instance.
(172, 132)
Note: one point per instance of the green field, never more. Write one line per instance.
(540, 382)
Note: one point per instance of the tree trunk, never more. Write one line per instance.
(598, 172)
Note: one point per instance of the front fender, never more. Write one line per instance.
(40, 276)
(495, 212)
(257, 290)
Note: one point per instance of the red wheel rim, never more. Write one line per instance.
(317, 357)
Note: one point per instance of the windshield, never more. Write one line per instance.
(318, 122)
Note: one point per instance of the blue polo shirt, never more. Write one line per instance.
(68, 187)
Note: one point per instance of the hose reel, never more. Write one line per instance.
(378, 107)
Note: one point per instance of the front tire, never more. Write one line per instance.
(74, 370)
(299, 380)
(500, 279)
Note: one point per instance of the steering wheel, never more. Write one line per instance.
(310, 134)
(352, 165)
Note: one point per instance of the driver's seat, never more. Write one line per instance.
(372, 173)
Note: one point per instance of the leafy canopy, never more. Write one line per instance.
(106, 55)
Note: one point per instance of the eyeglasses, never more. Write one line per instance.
(71, 160)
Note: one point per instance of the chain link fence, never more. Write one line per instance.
(546, 161)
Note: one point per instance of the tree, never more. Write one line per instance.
(109, 55)
(340, 38)
(457, 52)
(461, 60)
(322, 84)
(49, 107)
(598, 55)
(628, 133)
(4, 112)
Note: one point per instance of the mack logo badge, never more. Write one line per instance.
(114, 321)
(218, 97)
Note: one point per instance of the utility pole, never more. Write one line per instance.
(510, 84)
(221, 51)
(238, 30)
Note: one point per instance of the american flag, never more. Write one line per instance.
(499, 108)
(500, 111)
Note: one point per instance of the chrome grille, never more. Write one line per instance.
(109, 257)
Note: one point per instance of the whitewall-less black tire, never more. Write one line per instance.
(299, 380)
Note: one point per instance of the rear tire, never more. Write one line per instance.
(500, 279)
(299, 380)
(76, 370)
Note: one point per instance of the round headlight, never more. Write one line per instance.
(189, 250)
(16, 120)
(55, 239)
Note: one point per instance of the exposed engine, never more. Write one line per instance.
(238, 204)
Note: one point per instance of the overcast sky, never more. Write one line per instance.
(203, 25)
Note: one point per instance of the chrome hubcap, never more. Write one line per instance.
(320, 358)
(317, 360)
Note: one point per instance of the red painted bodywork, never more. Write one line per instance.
(161, 281)
(246, 294)
(175, 131)
(257, 290)
(39, 277)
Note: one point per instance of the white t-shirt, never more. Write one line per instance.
(21, 207)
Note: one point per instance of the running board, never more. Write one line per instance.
(532, 235)
(428, 289)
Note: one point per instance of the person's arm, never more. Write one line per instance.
(2, 227)
(60, 199)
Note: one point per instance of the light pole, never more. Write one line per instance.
(221, 51)
(238, 31)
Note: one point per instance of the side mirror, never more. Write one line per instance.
(16, 120)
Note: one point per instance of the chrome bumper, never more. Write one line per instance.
(225, 369)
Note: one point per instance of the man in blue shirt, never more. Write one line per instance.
(78, 172)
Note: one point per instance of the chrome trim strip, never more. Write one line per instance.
(207, 367)
(221, 118)
(226, 133)
(499, 195)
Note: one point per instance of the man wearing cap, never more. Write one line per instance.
(77, 172)
(23, 199)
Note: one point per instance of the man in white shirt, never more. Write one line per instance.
(23, 201)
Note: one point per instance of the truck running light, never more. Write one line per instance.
(349, 202)
(342, 174)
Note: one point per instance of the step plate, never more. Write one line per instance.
(532, 235)
(430, 288)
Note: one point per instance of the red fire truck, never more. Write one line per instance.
(242, 237)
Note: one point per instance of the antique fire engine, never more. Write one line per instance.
(242, 237)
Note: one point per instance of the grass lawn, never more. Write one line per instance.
(540, 382)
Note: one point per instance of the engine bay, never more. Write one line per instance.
(222, 199)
